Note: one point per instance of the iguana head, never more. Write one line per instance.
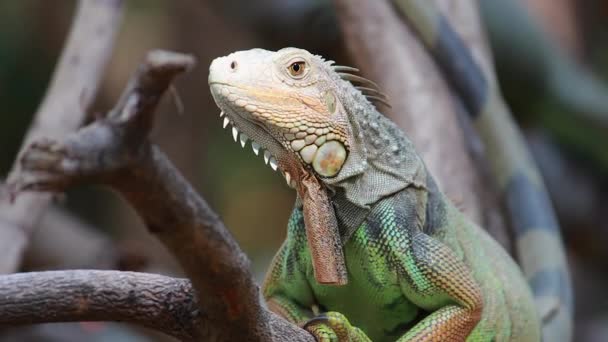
(320, 131)
(311, 121)
(286, 103)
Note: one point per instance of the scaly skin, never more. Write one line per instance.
(417, 269)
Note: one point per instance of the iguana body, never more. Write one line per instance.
(391, 283)
(417, 269)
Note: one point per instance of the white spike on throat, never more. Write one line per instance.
(273, 163)
(235, 133)
(256, 147)
(266, 156)
(243, 138)
(287, 178)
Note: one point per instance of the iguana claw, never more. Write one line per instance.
(334, 327)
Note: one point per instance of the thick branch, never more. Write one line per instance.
(154, 301)
(115, 151)
(70, 93)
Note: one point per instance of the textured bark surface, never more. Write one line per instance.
(157, 302)
(115, 151)
(153, 301)
(71, 91)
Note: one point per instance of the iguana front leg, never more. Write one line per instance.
(289, 296)
(434, 279)
(285, 288)
(337, 326)
(288, 293)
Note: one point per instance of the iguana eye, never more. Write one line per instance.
(296, 69)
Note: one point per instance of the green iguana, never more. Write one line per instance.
(417, 269)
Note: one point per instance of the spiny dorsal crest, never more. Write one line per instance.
(368, 88)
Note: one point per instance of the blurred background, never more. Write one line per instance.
(552, 62)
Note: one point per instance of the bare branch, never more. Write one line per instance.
(154, 301)
(70, 93)
(115, 151)
(161, 303)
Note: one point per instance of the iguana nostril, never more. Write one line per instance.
(233, 65)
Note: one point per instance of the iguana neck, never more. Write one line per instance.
(381, 160)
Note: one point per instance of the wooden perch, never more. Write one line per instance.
(70, 93)
(115, 151)
(153, 301)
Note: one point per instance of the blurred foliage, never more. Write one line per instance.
(548, 85)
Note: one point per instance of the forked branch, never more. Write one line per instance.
(115, 151)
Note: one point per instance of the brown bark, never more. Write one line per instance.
(161, 303)
(153, 301)
(63, 109)
(115, 151)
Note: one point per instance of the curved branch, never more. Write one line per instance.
(71, 91)
(115, 151)
(153, 301)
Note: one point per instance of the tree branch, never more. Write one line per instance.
(153, 301)
(115, 151)
(63, 109)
